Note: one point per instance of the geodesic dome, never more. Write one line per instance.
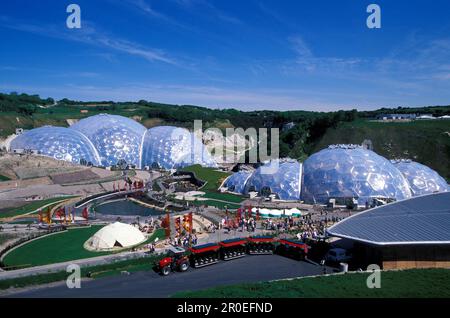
(59, 143)
(348, 171)
(107, 140)
(280, 177)
(115, 235)
(171, 147)
(236, 182)
(115, 137)
(421, 179)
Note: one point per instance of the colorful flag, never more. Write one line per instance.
(85, 213)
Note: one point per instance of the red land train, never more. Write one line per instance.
(211, 253)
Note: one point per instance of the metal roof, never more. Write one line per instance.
(420, 220)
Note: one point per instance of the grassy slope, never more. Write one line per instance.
(214, 179)
(61, 247)
(411, 283)
(30, 207)
(423, 141)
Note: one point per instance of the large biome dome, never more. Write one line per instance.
(115, 137)
(236, 182)
(171, 147)
(59, 143)
(349, 171)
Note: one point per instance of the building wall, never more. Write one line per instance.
(402, 256)
(419, 256)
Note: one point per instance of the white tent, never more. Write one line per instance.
(119, 235)
(293, 212)
(275, 213)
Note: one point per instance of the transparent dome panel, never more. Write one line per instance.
(282, 178)
(351, 172)
(170, 147)
(116, 138)
(236, 182)
(59, 143)
(421, 179)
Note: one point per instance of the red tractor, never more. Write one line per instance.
(176, 261)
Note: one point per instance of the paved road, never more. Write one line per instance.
(150, 284)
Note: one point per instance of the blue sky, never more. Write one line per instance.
(246, 54)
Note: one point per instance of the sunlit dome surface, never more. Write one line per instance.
(280, 177)
(421, 179)
(115, 137)
(348, 171)
(236, 182)
(171, 147)
(59, 143)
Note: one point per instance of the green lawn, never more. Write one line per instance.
(159, 233)
(224, 196)
(213, 180)
(217, 204)
(30, 207)
(61, 247)
(212, 177)
(428, 283)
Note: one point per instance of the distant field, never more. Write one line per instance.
(426, 283)
(30, 207)
(426, 141)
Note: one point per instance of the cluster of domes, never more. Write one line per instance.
(107, 140)
(339, 172)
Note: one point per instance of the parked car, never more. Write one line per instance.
(338, 255)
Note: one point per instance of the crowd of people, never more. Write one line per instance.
(242, 224)
(185, 241)
(306, 227)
